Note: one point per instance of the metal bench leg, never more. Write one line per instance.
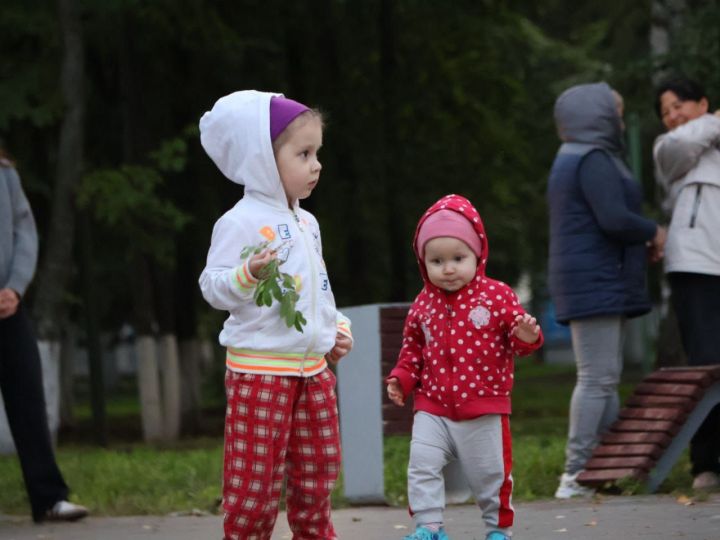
(682, 439)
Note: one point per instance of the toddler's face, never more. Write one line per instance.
(450, 263)
(297, 157)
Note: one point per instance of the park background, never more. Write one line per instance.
(99, 105)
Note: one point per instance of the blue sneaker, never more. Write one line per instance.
(423, 533)
(497, 535)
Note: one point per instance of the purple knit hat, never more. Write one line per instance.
(282, 112)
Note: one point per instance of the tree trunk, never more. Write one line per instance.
(191, 379)
(50, 309)
(393, 197)
(666, 18)
(171, 385)
(67, 378)
(149, 388)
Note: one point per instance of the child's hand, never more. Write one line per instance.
(343, 344)
(260, 260)
(527, 329)
(395, 392)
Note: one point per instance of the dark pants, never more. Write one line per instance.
(22, 390)
(696, 300)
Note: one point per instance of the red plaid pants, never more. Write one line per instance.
(276, 425)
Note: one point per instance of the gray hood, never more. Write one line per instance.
(587, 114)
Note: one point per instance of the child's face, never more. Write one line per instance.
(450, 263)
(297, 157)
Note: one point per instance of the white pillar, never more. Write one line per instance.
(361, 425)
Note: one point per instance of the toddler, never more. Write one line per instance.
(460, 336)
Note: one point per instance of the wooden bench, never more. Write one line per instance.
(396, 420)
(654, 427)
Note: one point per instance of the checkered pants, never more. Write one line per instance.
(273, 425)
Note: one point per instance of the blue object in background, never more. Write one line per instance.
(555, 333)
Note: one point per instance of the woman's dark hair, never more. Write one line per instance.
(684, 88)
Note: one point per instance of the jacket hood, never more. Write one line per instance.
(464, 207)
(235, 133)
(587, 114)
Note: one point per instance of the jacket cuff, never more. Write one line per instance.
(343, 326)
(522, 348)
(405, 379)
(242, 279)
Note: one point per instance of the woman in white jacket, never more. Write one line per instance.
(687, 165)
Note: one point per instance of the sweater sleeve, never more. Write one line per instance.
(25, 240)
(226, 280)
(344, 325)
(678, 151)
(410, 360)
(603, 189)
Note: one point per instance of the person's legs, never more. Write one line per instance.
(594, 406)
(259, 412)
(696, 298)
(430, 451)
(484, 448)
(22, 389)
(313, 458)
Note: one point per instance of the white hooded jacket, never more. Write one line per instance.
(236, 135)
(687, 166)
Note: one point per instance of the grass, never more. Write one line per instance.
(130, 478)
(539, 425)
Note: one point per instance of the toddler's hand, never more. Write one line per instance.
(527, 328)
(260, 260)
(343, 345)
(395, 392)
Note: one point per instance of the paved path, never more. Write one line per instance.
(609, 518)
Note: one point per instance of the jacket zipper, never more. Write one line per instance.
(696, 206)
(313, 303)
(448, 347)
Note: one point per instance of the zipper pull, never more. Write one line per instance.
(297, 220)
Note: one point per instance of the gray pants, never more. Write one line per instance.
(597, 344)
(483, 448)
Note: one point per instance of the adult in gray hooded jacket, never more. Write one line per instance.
(687, 164)
(20, 371)
(597, 262)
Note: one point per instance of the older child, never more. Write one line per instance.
(460, 336)
(281, 420)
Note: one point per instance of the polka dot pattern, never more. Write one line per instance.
(458, 350)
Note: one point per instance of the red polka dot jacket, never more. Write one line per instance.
(457, 352)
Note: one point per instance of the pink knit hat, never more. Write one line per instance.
(447, 223)
(282, 112)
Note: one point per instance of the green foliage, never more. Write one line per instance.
(276, 285)
(421, 98)
(695, 50)
(126, 199)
